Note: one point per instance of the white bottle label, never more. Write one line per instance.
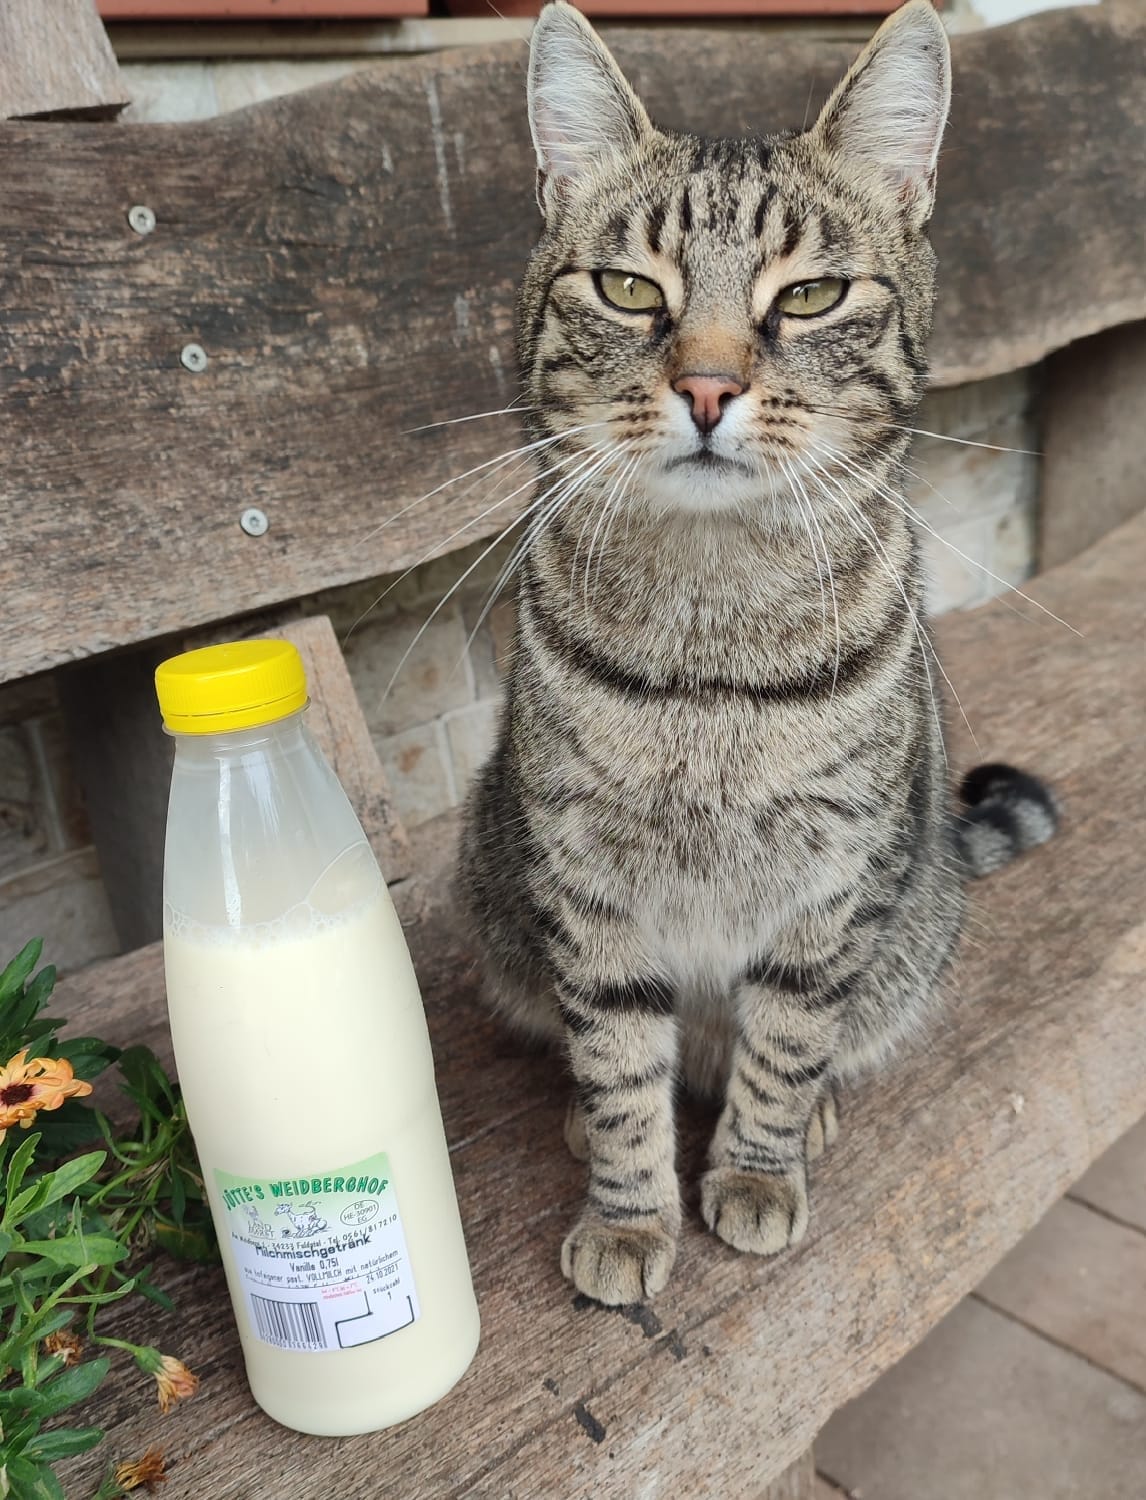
(322, 1261)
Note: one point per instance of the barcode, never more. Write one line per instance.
(293, 1325)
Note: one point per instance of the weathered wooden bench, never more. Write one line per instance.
(320, 251)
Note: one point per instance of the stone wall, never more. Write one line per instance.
(434, 725)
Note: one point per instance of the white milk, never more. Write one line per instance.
(302, 1050)
(301, 1045)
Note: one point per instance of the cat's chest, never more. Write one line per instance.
(715, 812)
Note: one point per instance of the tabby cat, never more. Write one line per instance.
(714, 843)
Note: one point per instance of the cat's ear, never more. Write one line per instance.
(889, 112)
(582, 111)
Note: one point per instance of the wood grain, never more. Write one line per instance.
(1037, 1064)
(55, 59)
(123, 762)
(796, 1483)
(336, 722)
(1092, 409)
(347, 258)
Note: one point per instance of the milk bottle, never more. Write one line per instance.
(301, 1046)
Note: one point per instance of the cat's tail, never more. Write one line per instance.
(1006, 812)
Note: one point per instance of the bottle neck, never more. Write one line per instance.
(278, 737)
(258, 826)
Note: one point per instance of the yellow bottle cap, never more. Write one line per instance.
(238, 686)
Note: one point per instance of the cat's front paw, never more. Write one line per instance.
(754, 1211)
(618, 1264)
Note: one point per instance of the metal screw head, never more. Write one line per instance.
(254, 521)
(193, 357)
(141, 218)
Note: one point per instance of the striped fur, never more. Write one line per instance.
(715, 841)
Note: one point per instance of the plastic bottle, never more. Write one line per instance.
(301, 1046)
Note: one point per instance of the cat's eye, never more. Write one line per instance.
(807, 298)
(630, 293)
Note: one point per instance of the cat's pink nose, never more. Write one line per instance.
(709, 394)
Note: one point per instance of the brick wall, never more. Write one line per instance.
(49, 875)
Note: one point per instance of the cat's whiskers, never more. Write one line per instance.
(516, 557)
(604, 511)
(458, 582)
(511, 410)
(939, 495)
(922, 479)
(439, 547)
(804, 502)
(872, 419)
(495, 463)
(925, 646)
(551, 502)
(907, 509)
(620, 503)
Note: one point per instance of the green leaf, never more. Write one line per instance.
(20, 1431)
(48, 1365)
(75, 1251)
(38, 991)
(185, 1243)
(66, 1179)
(35, 1045)
(148, 1289)
(27, 1202)
(18, 1166)
(22, 1398)
(32, 1481)
(51, 1446)
(13, 977)
(59, 1318)
(178, 1197)
(5, 1244)
(88, 1056)
(67, 1129)
(73, 1385)
(147, 1082)
(17, 1335)
(76, 1384)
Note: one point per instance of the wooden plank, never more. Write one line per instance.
(1038, 1063)
(56, 60)
(336, 722)
(123, 761)
(348, 258)
(1092, 415)
(684, 9)
(796, 1483)
(258, 10)
(135, 43)
(138, 43)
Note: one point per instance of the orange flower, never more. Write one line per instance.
(27, 1087)
(68, 1345)
(147, 1470)
(175, 1382)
